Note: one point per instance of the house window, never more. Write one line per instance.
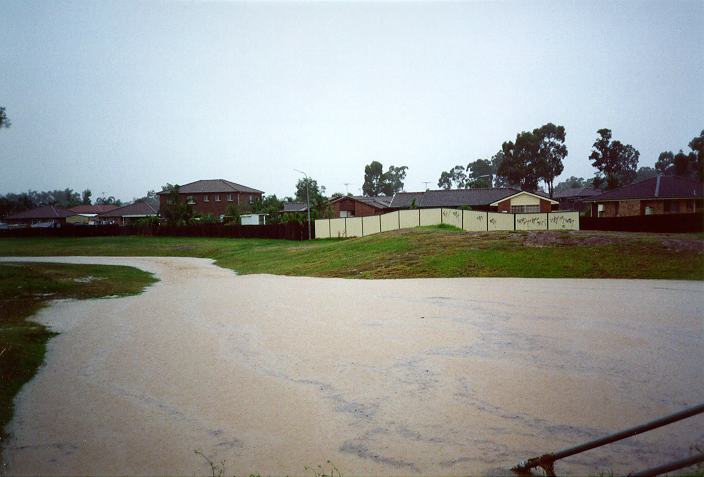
(525, 209)
(251, 199)
(344, 214)
(217, 197)
(229, 197)
(190, 200)
(648, 210)
(600, 210)
(205, 198)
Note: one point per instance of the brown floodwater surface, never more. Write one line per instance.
(275, 374)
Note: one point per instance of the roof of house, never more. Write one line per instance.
(659, 187)
(381, 202)
(574, 192)
(141, 208)
(93, 209)
(213, 186)
(295, 207)
(452, 197)
(45, 212)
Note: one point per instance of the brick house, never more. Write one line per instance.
(655, 196)
(130, 214)
(359, 206)
(46, 216)
(489, 199)
(213, 196)
(575, 198)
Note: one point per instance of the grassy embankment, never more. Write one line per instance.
(24, 289)
(414, 253)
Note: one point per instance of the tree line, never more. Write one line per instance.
(537, 156)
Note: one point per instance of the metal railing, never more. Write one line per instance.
(547, 461)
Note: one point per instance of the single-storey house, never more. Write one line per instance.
(46, 216)
(294, 207)
(489, 199)
(88, 214)
(654, 196)
(129, 214)
(359, 206)
(213, 196)
(574, 198)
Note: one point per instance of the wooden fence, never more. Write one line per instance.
(287, 231)
(674, 223)
(470, 220)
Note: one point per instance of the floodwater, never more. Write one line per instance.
(397, 377)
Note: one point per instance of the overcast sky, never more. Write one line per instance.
(122, 97)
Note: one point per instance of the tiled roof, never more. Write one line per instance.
(661, 187)
(214, 186)
(294, 207)
(451, 198)
(576, 192)
(140, 208)
(93, 209)
(381, 202)
(45, 212)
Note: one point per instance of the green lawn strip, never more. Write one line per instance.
(24, 289)
(442, 251)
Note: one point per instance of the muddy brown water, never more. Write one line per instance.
(397, 377)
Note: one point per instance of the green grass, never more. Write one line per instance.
(24, 289)
(413, 253)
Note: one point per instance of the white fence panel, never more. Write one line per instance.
(500, 221)
(532, 221)
(563, 221)
(474, 220)
(371, 225)
(390, 222)
(430, 217)
(452, 217)
(354, 226)
(408, 218)
(322, 229)
(337, 228)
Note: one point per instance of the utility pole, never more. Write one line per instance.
(307, 199)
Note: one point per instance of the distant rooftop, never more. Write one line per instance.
(45, 212)
(661, 187)
(213, 186)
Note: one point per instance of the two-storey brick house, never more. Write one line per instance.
(213, 196)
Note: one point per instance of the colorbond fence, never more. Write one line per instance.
(470, 220)
(673, 223)
(288, 231)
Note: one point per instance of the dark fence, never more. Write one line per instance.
(676, 223)
(288, 231)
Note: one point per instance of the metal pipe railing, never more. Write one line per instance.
(547, 461)
(678, 464)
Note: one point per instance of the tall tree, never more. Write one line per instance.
(377, 182)
(455, 177)
(551, 152)
(176, 211)
(4, 120)
(616, 163)
(519, 164)
(480, 174)
(572, 183)
(697, 147)
(645, 172)
(373, 179)
(85, 197)
(393, 180)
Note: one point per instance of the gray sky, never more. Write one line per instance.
(122, 97)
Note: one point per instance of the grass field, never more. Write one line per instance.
(24, 289)
(412, 253)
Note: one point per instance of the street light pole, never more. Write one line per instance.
(307, 199)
